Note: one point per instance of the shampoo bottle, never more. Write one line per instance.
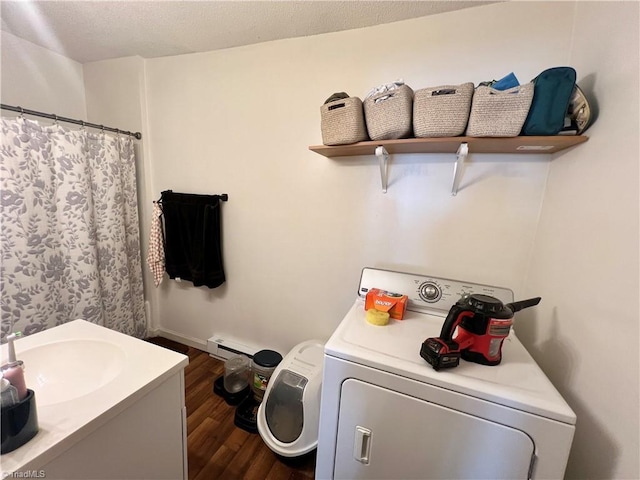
(14, 370)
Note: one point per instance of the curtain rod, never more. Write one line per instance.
(23, 111)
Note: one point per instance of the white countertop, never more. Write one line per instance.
(62, 424)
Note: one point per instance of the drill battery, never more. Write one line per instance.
(440, 354)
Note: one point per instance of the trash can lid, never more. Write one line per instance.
(267, 358)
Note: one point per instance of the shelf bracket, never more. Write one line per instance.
(383, 158)
(463, 151)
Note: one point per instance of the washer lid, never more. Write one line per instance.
(518, 382)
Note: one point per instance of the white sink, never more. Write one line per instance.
(65, 370)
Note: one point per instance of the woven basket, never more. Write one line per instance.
(389, 114)
(499, 113)
(442, 111)
(342, 122)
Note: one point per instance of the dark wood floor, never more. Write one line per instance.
(217, 449)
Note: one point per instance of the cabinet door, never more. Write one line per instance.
(383, 434)
(145, 441)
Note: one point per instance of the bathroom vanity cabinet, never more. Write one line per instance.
(109, 406)
(146, 440)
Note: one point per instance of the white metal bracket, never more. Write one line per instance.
(463, 151)
(383, 158)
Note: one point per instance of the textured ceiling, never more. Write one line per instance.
(88, 30)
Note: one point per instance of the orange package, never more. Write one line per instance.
(394, 303)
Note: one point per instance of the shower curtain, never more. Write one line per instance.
(69, 234)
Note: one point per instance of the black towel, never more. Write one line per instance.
(192, 246)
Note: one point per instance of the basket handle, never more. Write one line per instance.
(443, 91)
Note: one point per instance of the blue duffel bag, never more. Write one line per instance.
(551, 96)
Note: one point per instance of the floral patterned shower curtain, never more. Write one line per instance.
(69, 234)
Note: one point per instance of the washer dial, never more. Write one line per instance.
(430, 292)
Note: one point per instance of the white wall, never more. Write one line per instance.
(38, 79)
(298, 227)
(585, 262)
(114, 92)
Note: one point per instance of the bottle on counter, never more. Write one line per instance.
(9, 394)
(13, 371)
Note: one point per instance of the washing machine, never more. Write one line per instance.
(387, 414)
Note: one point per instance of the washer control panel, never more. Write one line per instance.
(427, 293)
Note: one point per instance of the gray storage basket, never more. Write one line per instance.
(389, 114)
(499, 113)
(342, 122)
(442, 111)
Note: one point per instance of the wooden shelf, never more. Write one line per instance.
(461, 146)
(517, 145)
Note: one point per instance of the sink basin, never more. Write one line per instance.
(65, 370)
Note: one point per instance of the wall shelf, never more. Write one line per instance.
(461, 146)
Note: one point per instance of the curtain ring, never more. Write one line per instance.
(55, 121)
(21, 112)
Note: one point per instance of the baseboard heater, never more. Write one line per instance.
(225, 348)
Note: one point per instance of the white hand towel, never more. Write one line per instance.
(155, 257)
